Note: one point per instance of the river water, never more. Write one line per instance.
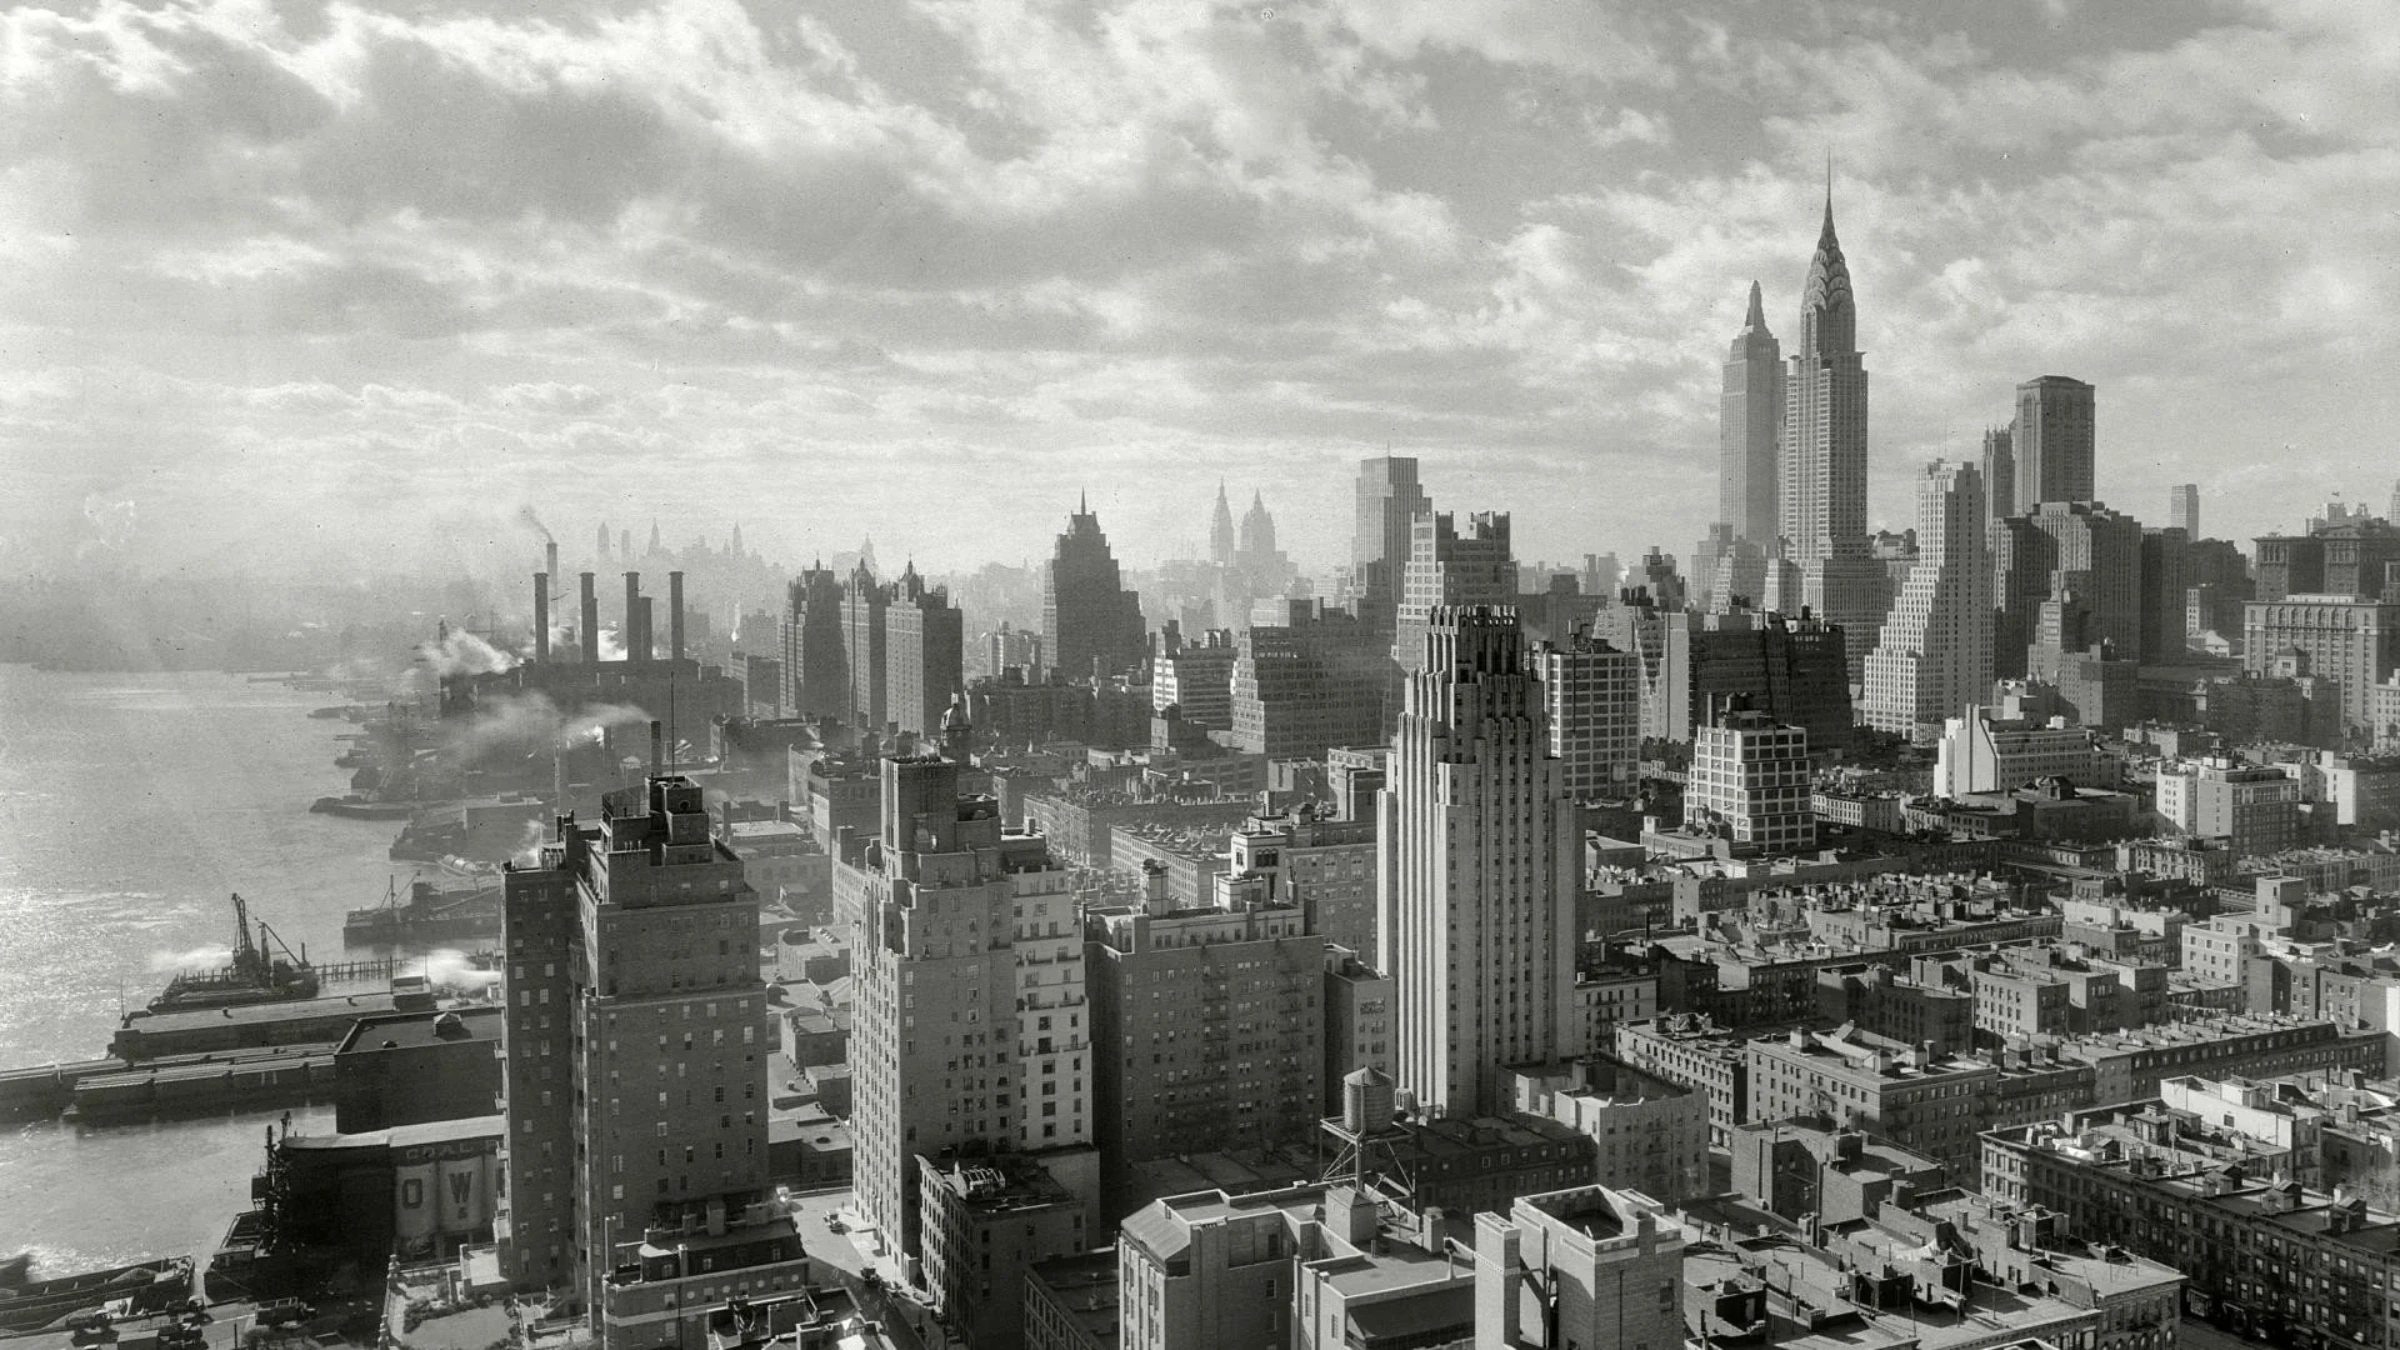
(131, 808)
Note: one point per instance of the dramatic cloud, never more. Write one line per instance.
(321, 282)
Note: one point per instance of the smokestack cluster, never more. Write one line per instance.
(675, 615)
(591, 622)
(541, 618)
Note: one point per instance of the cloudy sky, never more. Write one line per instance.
(333, 285)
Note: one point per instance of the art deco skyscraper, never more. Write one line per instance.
(2054, 442)
(1935, 656)
(1087, 614)
(1750, 414)
(1823, 478)
(1476, 875)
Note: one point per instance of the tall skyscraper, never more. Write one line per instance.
(1449, 568)
(2183, 509)
(924, 653)
(863, 602)
(1999, 475)
(1088, 616)
(970, 1033)
(1935, 654)
(1220, 531)
(1823, 478)
(2067, 546)
(2054, 442)
(1750, 414)
(636, 1075)
(1389, 500)
(816, 665)
(1476, 883)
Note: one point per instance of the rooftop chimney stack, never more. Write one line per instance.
(675, 615)
(591, 623)
(634, 651)
(541, 618)
(658, 748)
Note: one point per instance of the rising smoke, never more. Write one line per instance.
(529, 520)
(530, 724)
(459, 652)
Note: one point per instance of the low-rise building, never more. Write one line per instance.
(1648, 1132)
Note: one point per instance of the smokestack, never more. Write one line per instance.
(591, 623)
(634, 651)
(649, 631)
(658, 748)
(675, 615)
(550, 556)
(541, 618)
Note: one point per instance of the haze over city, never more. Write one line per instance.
(335, 289)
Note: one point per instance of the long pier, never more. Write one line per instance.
(173, 1085)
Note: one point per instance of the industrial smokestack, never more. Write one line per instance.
(675, 615)
(591, 622)
(649, 630)
(658, 748)
(541, 618)
(634, 651)
(550, 556)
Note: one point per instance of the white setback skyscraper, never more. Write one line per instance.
(1477, 871)
(1935, 656)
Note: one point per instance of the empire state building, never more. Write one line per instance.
(1822, 482)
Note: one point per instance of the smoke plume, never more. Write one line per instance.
(448, 969)
(198, 958)
(530, 724)
(528, 519)
(459, 652)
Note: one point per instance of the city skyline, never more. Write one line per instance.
(369, 272)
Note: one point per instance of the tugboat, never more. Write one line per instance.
(257, 974)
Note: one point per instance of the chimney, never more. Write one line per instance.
(649, 633)
(541, 618)
(591, 623)
(675, 615)
(633, 618)
(550, 557)
(658, 748)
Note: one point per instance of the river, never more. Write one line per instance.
(131, 808)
